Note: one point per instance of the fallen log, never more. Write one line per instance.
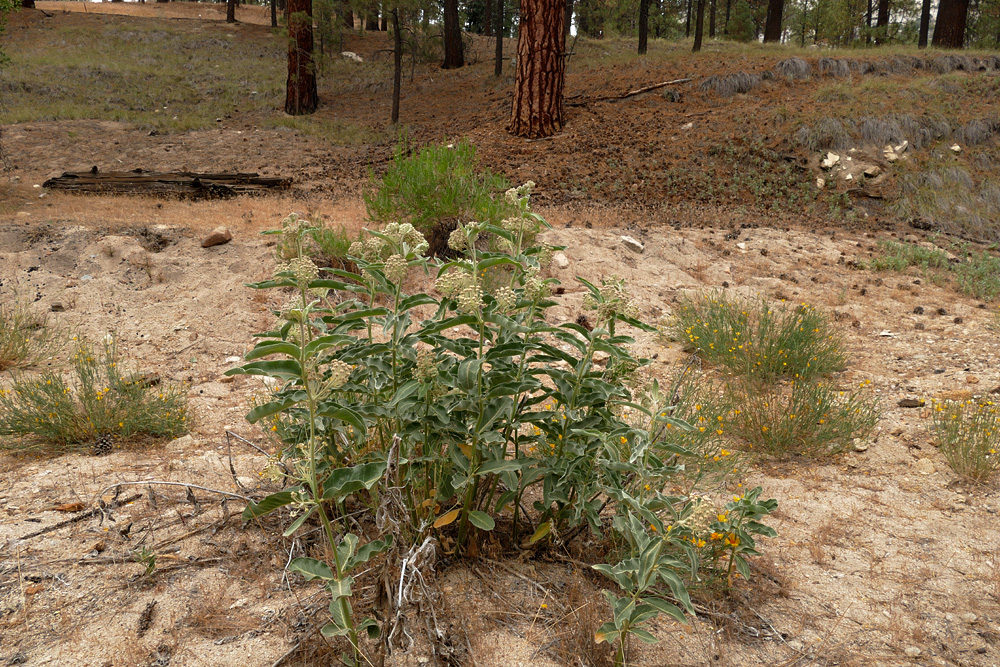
(580, 100)
(181, 184)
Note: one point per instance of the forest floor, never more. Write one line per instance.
(883, 556)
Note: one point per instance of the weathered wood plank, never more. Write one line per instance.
(182, 184)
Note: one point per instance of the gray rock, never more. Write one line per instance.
(632, 244)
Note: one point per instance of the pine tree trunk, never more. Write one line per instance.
(371, 20)
(453, 57)
(711, 21)
(772, 28)
(498, 31)
(385, 21)
(925, 23)
(882, 26)
(725, 26)
(537, 109)
(949, 31)
(230, 11)
(643, 25)
(488, 19)
(348, 18)
(274, 13)
(687, 21)
(397, 64)
(699, 25)
(569, 18)
(300, 91)
(27, 4)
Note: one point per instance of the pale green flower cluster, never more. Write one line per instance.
(457, 240)
(521, 193)
(369, 250)
(304, 269)
(614, 300)
(406, 234)
(426, 370)
(340, 373)
(701, 519)
(506, 299)
(291, 225)
(470, 299)
(452, 283)
(534, 286)
(395, 268)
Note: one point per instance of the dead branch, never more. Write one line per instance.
(184, 484)
(622, 96)
(79, 517)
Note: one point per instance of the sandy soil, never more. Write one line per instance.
(882, 556)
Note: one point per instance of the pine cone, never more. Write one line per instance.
(104, 444)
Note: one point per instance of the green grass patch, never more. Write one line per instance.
(50, 411)
(753, 339)
(328, 129)
(976, 275)
(968, 434)
(25, 337)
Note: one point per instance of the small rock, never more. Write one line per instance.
(919, 310)
(218, 236)
(560, 260)
(848, 177)
(632, 244)
(919, 326)
(925, 467)
(350, 55)
(86, 277)
(968, 617)
(687, 126)
(830, 161)
(901, 147)
(971, 379)
(872, 171)
(912, 651)
(955, 148)
(233, 360)
(601, 358)
(820, 182)
(57, 307)
(910, 403)
(995, 390)
(741, 246)
(860, 446)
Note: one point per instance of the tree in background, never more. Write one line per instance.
(643, 25)
(772, 28)
(453, 56)
(301, 96)
(699, 26)
(537, 109)
(949, 30)
(925, 22)
(741, 25)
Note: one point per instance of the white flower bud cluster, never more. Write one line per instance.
(426, 370)
(453, 282)
(701, 518)
(304, 269)
(407, 234)
(291, 225)
(470, 299)
(534, 286)
(457, 240)
(395, 268)
(614, 300)
(545, 255)
(340, 373)
(506, 299)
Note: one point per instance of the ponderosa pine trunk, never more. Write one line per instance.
(453, 57)
(397, 64)
(711, 20)
(569, 18)
(537, 109)
(488, 19)
(230, 11)
(643, 26)
(699, 25)
(27, 4)
(687, 21)
(274, 13)
(925, 23)
(300, 90)
(772, 28)
(882, 25)
(949, 30)
(498, 31)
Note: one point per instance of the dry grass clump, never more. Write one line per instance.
(793, 69)
(731, 84)
(835, 67)
(968, 434)
(951, 62)
(25, 338)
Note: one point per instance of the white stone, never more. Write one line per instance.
(632, 244)
(351, 55)
(830, 161)
(912, 651)
(872, 171)
(955, 148)
(560, 260)
(924, 466)
(820, 182)
(848, 177)
(687, 126)
(901, 147)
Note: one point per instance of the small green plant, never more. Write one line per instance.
(147, 557)
(968, 434)
(754, 339)
(98, 399)
(896, 256)
(809, 418)
(977, 274)
(25, 338)
(434, 186)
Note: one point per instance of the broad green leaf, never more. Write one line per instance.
(648, 562)
(333, 630)
(312, 569)
(665, 607)
(274, 407)
(335, 411)
(269, 504)
(295, 525)
(268, 347)
(468, 374)
(544, 529)
(345, 550)
(370, 625)
(493, 467)
(344, 481)
(482, 520)
(606, 633)
(340, 588)
(643, 635)
(368, 551)
(288, 369)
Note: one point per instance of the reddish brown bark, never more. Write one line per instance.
(537, 110)
(949, 31)
(300, 91)
(772, 27)
(453, 56)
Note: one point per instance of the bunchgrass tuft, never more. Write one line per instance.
(49, 411)
(805, 418)
(977, 274)
(968, 434)
(753, 339)
(896, 256)
(25, 337)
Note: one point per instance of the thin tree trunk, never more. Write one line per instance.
(274, 13)
(385, 21)
(711, 21)
(569, 18)
(300, 91)
(643, 25)
(453, 57)
(772, 28)
(882, 26)
(230, 11)
(498, 59)
(725, 26)
(699, 25)
(537, 109)
(949, 30)
(27, 4)
(868, 22)
(488, 19)
(348, 18)
(371, 20)
(687, 21)
(397, 64)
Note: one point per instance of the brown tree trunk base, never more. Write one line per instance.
(537, 109)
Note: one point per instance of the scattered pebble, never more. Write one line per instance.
(560, 260)
(971, 379)
(912, 651)
(925, 467)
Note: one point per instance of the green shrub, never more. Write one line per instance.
(25, 338)
(753, 339)
(977, 275)
(435, 187)
(99, 399)
(896, 256)
(968, 434)
(809, 418)
(449, 413)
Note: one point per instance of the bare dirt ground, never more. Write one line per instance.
(882, 556)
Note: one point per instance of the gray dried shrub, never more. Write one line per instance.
(828, 134)
(731, 84)
(880, 131)
(834, 67)
(976, 132)
(860, 67)
(794, 69)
